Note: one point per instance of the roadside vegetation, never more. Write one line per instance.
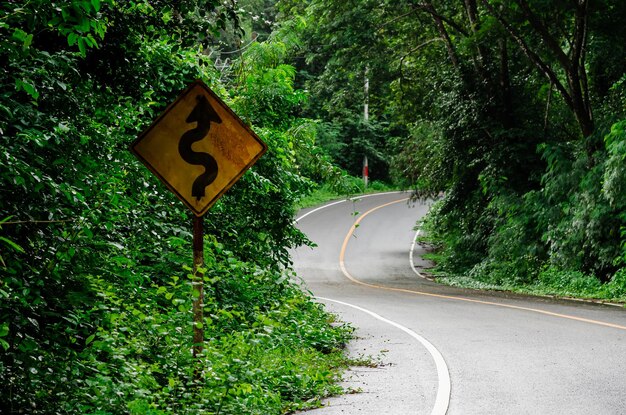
(550, 281)
(354, 186)
(516, 111)
(95, 254)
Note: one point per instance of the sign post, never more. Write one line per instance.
(197, 285)
(198, 148)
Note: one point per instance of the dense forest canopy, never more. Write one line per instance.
(514, 111)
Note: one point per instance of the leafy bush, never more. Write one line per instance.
(140, 357)
(616, 288)
(573, 283)
(95, 310)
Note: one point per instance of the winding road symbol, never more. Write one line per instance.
(198, 147)
(204, 114)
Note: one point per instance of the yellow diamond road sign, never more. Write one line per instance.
(198, 147)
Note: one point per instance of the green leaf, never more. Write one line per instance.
(91, 41)
(12, 244)
(20, 35)
(5, 219)
(4, 329)
(166, 16)
(118, 246)
(82, 47)
(90, 339)
(24, 85)
(4, 345)
(28, 41)
(72, 39)
(84, 25)
(7, 112)
(96, 5)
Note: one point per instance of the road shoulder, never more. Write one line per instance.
(398, 360)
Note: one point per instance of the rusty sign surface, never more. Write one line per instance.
(198, 147)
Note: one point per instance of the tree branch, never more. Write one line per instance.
(442, 32)
(471, 9)
(580, 31)
(395, 19)
(421, 45)
(532, 56)
(428, 7)
(18, 222)
(548, 39)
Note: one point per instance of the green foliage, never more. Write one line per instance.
(334, 56)
(564, 239)
(552, 281)
(267, 95)
(569, 283)
(584, 231)
(508, 124)
(95, 313)
(613, 181)
(421, 160)
(139, 358)
(350, 188)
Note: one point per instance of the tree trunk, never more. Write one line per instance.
(575, 93)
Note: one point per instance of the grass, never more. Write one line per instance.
(550, 282)
(321, 195)
(536, 289)
(326, 192)
(523, 278)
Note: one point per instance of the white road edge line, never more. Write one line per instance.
(442, 400)
(320, 208)
(419, 274)
(344, 200)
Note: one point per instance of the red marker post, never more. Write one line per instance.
(366, 172)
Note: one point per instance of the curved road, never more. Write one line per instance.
(448, 350)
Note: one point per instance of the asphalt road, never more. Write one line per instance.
(446, 350)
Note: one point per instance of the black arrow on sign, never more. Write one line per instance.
(204, 114)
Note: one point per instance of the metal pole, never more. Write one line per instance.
(198, 286)
(366, 93)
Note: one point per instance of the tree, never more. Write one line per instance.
(502, 105)
(95, 299)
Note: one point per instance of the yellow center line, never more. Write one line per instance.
(342, 265)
